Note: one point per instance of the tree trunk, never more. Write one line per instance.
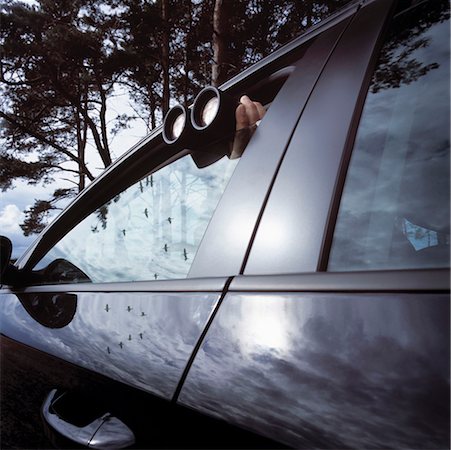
(80, 152)
(153, 121)
(103, 125)
(220, 42)
(183, 209)
(165, 54)
(188, 39)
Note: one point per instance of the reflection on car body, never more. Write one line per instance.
(297, 295)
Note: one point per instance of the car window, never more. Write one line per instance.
(150, 231)
(395, 206)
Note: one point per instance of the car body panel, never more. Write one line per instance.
(225, 244)
(328, 370)
(426, 280)
(28, 375)
(141, 339)
(292, 234)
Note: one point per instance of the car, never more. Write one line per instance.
(295, 293)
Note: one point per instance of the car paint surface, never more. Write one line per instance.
(327, 370)
(141, 339)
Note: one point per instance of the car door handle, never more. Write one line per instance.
(105, 432)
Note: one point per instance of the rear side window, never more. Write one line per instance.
(395, 207)
(150, 231)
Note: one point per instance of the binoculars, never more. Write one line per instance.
(211, 117)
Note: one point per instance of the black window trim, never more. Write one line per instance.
(349, 145)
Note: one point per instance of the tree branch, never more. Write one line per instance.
(104, 154)
(46, 141)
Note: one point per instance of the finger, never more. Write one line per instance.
(251, 109)
(242, 120)
(260, 109)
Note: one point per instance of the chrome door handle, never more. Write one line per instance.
(105, 432)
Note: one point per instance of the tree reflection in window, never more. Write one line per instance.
(395, 206)
(152, 229)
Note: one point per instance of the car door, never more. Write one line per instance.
(337, 333)
(86, 308)
(122, 286)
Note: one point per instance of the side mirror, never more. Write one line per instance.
(6, 248)
(9, 274)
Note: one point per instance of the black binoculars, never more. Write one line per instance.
(211, 117)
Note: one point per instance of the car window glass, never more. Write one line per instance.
(149, 231)
(395, 206)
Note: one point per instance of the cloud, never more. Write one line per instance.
(10, 217)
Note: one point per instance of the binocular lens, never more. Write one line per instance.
(177, 126)
(174, 126)
(209, 111)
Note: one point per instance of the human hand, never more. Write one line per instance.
(248, 113)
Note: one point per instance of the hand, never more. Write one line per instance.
(248, 113)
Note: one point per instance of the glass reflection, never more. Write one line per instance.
(150, 231)
(395, 207)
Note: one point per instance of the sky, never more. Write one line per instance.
(15, 201)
